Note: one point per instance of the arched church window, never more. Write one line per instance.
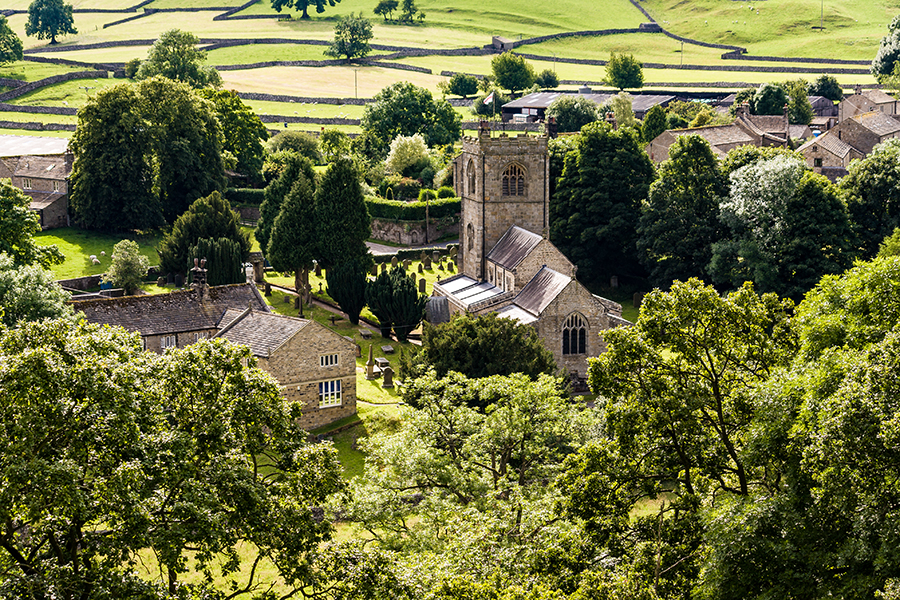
(514, 181)
(470, 236)
(574, 335)
(470, 171)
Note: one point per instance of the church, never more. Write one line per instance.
(507, 264)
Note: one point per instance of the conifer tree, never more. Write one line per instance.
(407, 305)
(294, 239)
(341, 215)
(379, 298)
(274, 195)
(347, 287)
(223, 260)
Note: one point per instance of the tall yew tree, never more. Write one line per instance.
(341, 216)
(597, 203)
(294, 240)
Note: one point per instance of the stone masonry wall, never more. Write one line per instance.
(544, 254)
(851, 132)
(412, 233)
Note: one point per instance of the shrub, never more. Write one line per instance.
(446, 192)
(131, 67)
(547, 79)
(128, 267)
(297, 141)
(401, 187)
(395, 210)
(406, 151)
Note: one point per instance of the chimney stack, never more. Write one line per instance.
(198, 274)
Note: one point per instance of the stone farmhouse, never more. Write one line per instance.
(507, 264)
(830, 153)
(39, 166)
(533, 107)
(312, 363)
(866, 101)
(747, 129)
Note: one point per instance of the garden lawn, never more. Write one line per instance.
(78, 244)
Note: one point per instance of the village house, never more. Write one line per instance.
(828, 155)
(506, 266)
(312, 363)
(40, 167)
(866, 101)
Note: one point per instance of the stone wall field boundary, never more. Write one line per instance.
(29, 87)
(40, 110)
(35, 126)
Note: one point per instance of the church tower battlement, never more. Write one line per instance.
(502, 181)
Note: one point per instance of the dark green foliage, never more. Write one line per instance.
(379, 208)
(175, 56)
(379, 298)
(872, 191)
(303, 5)
(888, 51)
(334, 143)
(187, 146)
(674, 121)
(446, 191)
(300, 142)
(493, 107)
(510, 72)
(224, 264)
(386, 8)
(558, 148)
(573, 112)
(769, 99)
(48, 19)
(409, 10)
(407, 305)
(210, 218)
(799, 109)
(427, 195)
(10, 44)
(242, 131)
(351, 37)
(596, 206)
(624, 71)
(131, 68)
(18, 226)
(245, 196)
(680, 220)
(342, 220)
(547, 79)
(461, 84)
(401, 188)
(295, 166)
(827, 86)
(405, 109)
(746, 155)
(483, 346)
(111, 181)
(294, 240)
(654, 123)
(347, 286)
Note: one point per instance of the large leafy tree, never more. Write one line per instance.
(573, 112)
(680, 219)
(769, 99)
(10, 44)
(826, 86)
(175, 56)
(511, 72)
(596, 207)
(110, 450)
(303, 5)
(210, 217)
(18, 226)
(48, 19)
(888, 51)
(872, 191)
(624, 71)
(799, 109)
(242, 131)
(112, 178)
(405, 109)
(29, 293)
(351, 37)
(187, 144)
(483, 346)
(654, 123)
(342, 218)
(128, 266)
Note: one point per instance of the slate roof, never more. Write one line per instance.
(768, 123)
(42, 167)
(829, 142)
(28, 145)
(545, 99)
(799, 132)
(467, 291)
(878, 123)
(41, 200)
(517, 314)
(175, 312)
(641, 103)
(543, 288)
(263, 332)
(513, 247)
(437, 310)
(878, 96)
(718, 134)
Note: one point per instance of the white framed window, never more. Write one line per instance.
(329, 393)
(328, 360)
(26, 183)
(202, 335)
(167, 341)
(56, 186)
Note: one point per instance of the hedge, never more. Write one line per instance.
(244, 196)
(396, 210)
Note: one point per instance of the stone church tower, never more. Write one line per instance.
(501, 181)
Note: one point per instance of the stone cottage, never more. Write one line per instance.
(507, 264)
(40, 167)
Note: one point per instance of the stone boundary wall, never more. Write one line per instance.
(280, 63)
(227, 14)
(824, 61)
(302, 99)
(81, 283)
(12, 83)
(68, 63)
(95, 46)
(36, 126)
(314, 120)
(28, 87)
(127, 19)
(567, 34)
(412, 233)
(41, 110)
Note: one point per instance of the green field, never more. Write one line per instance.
(78, 245)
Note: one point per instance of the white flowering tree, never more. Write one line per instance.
(406, 151)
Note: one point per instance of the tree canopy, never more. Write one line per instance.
(342, 219)
(573, 112)
(351, 37)
(175, 56)
(30, 293)
(511, 72)
(18, 226)
(596, 206)
(769, 99)
(303, 5)
(624, 71)
(48, 19)
(405, 109)
(242, 131)
(888, 51)
(10, 44)
(827, 86)
(124, 450)
(127, 268)
(872, 190)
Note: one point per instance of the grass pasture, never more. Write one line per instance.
(77, 245)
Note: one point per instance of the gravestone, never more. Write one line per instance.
(426, 262)
(388, 374)
(178, 280)
(393, 262)
(406, 264)
(383, 267)
(287, 299)
(161, 282)
(422, 255)
(450, 266)
(422, 284)
(370, 366)
(268, 291)
(170, 278)
(440, 266)
(374, 270)
(318, 270)
(637, 299)
(453, 251)
(421, 268)
(613, 282)
(435, 256)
